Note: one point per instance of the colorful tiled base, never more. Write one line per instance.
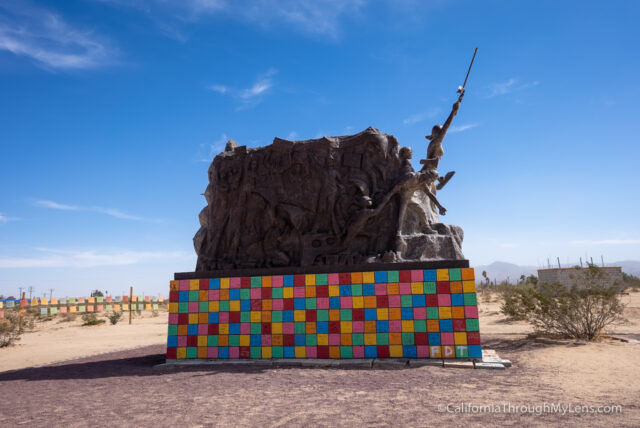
(383, 314)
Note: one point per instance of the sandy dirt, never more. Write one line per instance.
(124, 387)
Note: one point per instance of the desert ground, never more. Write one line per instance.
(62, 373)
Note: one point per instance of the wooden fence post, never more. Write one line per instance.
(130, 302)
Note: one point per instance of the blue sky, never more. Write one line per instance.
(111, 110)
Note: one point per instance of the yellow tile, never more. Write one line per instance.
(345, 326)
(194, 284)
(299, 315)
(469, 286)
(91, 300)
(266, 352)
(147, 307)
(435, 351)
(173, 308)
(54, 300)
(181, 353)
(287, 292)
(234, 305)
(43, 302)
(407, 326)
(442, 275)
(323, 339)
(395, 351)
(382, 313)
(223, 329)
(417, 288)
(193, 318)
(202, 340)
(444, 313)
(370, 339)
(334, 290)
(214, 306)
(255, 316)
(368, 278)
(358, 302)
(300, 351)
(310, 279)
(224, 283)
(276, 328)
(460, 338)
(245, 340)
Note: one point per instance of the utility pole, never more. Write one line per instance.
(50, 293)
(559, 267)
(602, 258)
(30, 292)
(20, 291)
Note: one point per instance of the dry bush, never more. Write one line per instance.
(114, 317)
(91, 319)
(9, 329)
(580, 311)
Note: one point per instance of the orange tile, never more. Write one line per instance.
(334, 315)
(370, 327)
(356, 277)
(266, 316)
(183, 330)
(395, 313)
(457, 312)
(370, 302)
(224, 294)
(203, 318)
(467, 274)
(223, 340)
(455, 287)
(204, 295)
(334, 352)
(345, 339)
(310, 328)
(266, 281)
(202, 352)
(267, 304)
(174, 285)
(276, 340)
(310, 290)
(395, 338)
(433, 326)
(393, 288)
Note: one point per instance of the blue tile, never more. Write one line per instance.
(223, 352)
(368, 290)
(288, 281)
(345, 290)
(457, 300)
(446, 325)
(214, 284)
(172, 341)
(409, 351)
(213, 317)
(183, 296)
(298, 303)
(334, 302)
(434, 338)
(289, 352)
(370, 314)
(370, 351)
(287, 316)
(380, 276)
(382, 326)
(234, 294)
(245, 305)
(419, 300)
(255, 340)
(322, 327)
(407, 313)
(430, 275)
(234, 328)
(192, 330)
(475, 351)
(300, 339)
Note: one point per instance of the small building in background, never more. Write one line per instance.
(578, 275)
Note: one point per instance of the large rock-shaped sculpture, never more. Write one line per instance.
(335, 200)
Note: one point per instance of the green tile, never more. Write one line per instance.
(322, 315)
(173, 330)
(256, 328)
(382, 338)
(224, 306)
(245, 294)
(345, 314)
(234, 340)
(194, 295)
(322, 279)
(245, 317)
(277, 352)
(299, 328)
(356, 289)
(454, 275)
(470, 299)
(276, 293)
(462, 351)
(256, 281)
(203, 306)
(420, 326)
(256, 352)
(408, 339)
(473, 324)
(406, 301)
(357, 339)
(212, 340)
(393, 276)
(346, 352)
(183, 307)
(432, 313)
(192, 352)
(310, 303)
(276, 316)
(311, 340)
(429, 287)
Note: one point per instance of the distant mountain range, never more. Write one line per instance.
(501, 271)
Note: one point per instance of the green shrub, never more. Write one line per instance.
(91, 319)
(579, 311)
(9, 329)
(114, 317)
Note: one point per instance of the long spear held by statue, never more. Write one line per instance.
(434, 150)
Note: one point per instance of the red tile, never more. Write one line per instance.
(234, 316)
(245, 282)
(266, 293)
(405, 276)
(344, 278)
(245, 352)
(174, 296)
(473, 338)
(357, 314)
(443, 288)
(183, 318)
(421, 338)
(288, 340)
(192, 340)
(382, 301)
(322, 291)
(213, 329)
(323, 352)
(383, 351)
(204, 284)
(310, 315)
(256, 305)
(459, 325)
(298, 280)
(288, 304)
(432, 300)
(334, 326)
(266, 328)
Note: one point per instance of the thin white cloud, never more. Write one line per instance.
(313, 17)
(509, 86)
(89, 258)
(292, 135)
(421, 117)
(252, 95)
(213, 148)
(462, 128)
(45, 37)
(5, 219)
(108, 211)
(606, 242)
